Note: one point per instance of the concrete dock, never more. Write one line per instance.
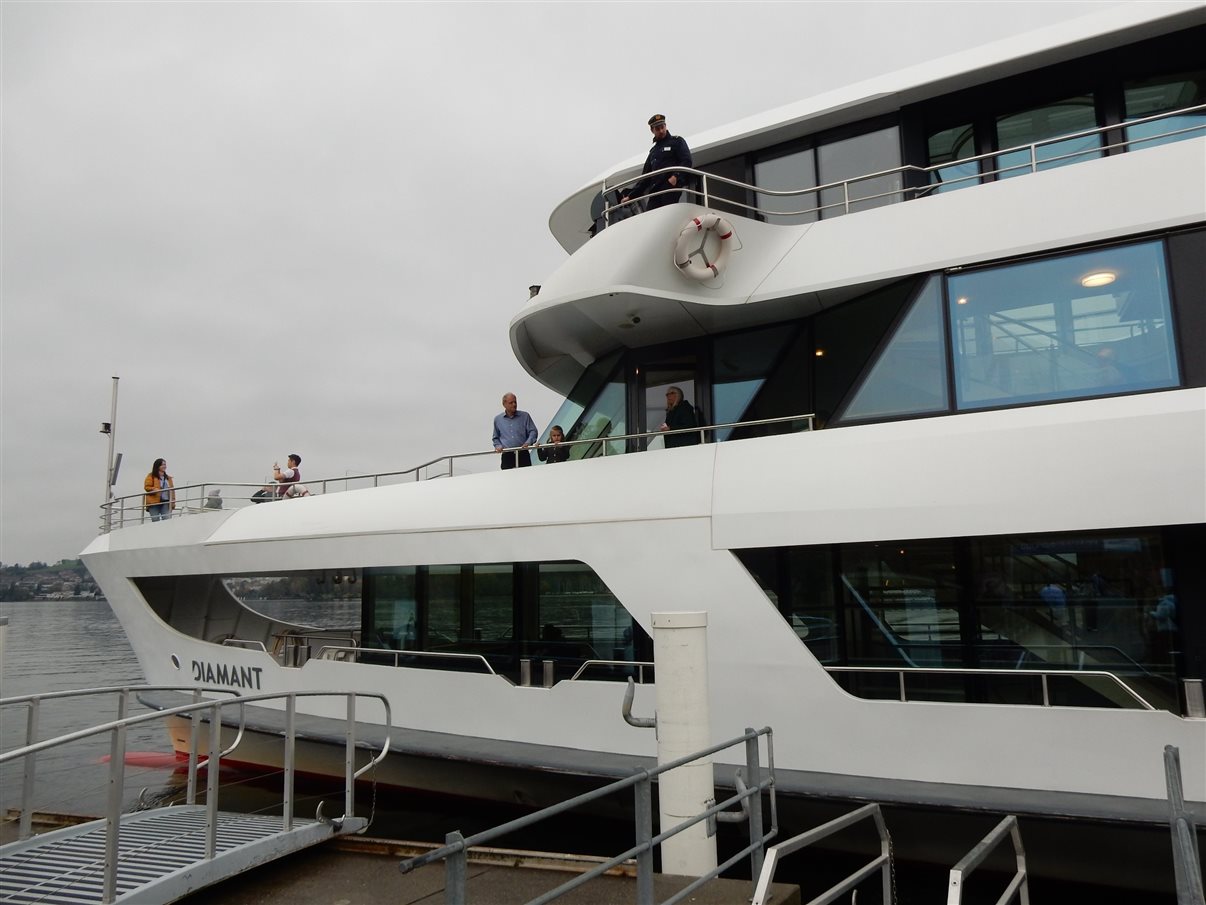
(361, 871)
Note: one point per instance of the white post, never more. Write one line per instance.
(680, 652)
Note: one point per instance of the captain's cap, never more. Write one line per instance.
(657, 120)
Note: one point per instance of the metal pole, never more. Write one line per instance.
(455, 869)
(644, 837)
(753, 771)
(109, 463)
(117, 766)
(31, 769)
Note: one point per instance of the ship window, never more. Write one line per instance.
(1088, 324)
(1151, 97)
(1073, 114)
(949, 147)
(871, 152)
(910, 375)
(740, 363)
(785, 173)
(846, 338)
(580, 620)
(603, 417)
(585, 391)
(444, 608)
(1061, 604)
(395, 614)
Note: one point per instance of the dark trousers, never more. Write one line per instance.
(508, 459)
(663, 200)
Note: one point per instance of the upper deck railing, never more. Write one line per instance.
(927, 180)
(193, 499)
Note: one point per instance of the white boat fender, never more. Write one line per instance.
(694, 263)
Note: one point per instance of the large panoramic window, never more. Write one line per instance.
(1089, 324)
(740, 362)
(910, 375)
(1062, 604)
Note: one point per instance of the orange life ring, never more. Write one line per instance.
(691, 257)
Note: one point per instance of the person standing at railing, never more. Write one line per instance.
(512, 429)
(554, 451)
(679, 416)
(160, 492)
(668, 151)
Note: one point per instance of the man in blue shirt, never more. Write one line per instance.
(513, 428)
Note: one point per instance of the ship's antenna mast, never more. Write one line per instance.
(110, 427)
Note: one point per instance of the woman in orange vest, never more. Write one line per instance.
(160, 492)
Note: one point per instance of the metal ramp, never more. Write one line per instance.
(161, 854)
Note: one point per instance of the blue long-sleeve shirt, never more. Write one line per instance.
(513, 431)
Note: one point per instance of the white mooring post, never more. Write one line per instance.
(680, 650)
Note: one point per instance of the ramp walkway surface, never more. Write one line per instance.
(162, 855)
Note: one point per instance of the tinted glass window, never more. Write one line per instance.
(872, 152)
(787, 173)
(1152, 97)
(910, 375)
(395, 611)
(846, 337)
(948, 147)
(1073, 114)
(1083, 325)
(739, 366)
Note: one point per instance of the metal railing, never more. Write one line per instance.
(196, 499)
(750, 785)
(333, 651)
(1019, 884)
(1041, 674)
(1187, 868)
(931, 175)
(881, 863)
(196, 711)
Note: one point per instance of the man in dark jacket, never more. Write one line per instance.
(668, 151)
(679, 416)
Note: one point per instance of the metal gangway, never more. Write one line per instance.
(162, 854)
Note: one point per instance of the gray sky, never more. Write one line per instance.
(305, 226)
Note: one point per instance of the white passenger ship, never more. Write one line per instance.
(946, 518)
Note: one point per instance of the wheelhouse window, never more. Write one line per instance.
(1041, 124)
(1151, 97)
(1082, 325)
(854, 159)
(787, 173)
(948, 151)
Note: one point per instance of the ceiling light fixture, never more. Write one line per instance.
(1098, 278)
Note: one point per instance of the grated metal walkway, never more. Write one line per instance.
(161, 855)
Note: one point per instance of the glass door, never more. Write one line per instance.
(654, 381)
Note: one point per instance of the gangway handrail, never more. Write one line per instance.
(750, 785)
(116, 512)
(1019, 884)
(117, 762)
(1031, 165)
(1043, 674)
(882, 862)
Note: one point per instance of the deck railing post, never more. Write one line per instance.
(349, 760)
(194, 742)
(117, 768)
(30, 771)
(643, 793)
(1186, 868)
(290, 746)
(455, 870)
(753, 772)
(212, 765)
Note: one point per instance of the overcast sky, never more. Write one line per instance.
(306, 226)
